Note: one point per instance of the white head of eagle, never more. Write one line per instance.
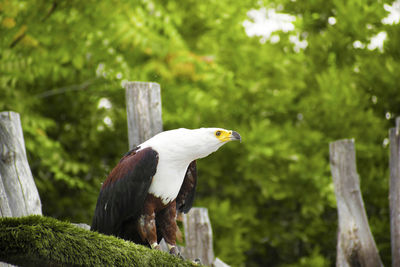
(140, 197)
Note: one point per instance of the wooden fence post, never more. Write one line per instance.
(143, 105)
(5, 210)
(394, 192)
(18, 192)
(356, 245)
(198, 236)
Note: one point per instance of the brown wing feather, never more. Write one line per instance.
(185, 198)
(122, 195)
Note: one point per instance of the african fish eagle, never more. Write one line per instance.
(140, 197)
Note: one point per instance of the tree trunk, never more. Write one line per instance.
(143, 105)
(18, 192)
(356, 245)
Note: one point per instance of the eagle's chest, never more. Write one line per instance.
(167, 181)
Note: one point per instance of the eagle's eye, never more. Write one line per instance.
(218, 133)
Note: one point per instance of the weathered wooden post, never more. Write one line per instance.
(356, 245)
(198, 236)
(143, 106)
(394, 192)
(18, 192)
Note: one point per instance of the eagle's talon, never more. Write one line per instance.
(197, 261)
(155, 246)
(175, 251)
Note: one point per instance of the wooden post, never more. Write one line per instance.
(394, 192)
(356, 245)
(5, 210)
(18, 192)
(198, 236)
(143, 105)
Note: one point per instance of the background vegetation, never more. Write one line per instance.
(271, 199)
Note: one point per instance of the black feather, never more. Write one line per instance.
(185, 198)
(123, 193)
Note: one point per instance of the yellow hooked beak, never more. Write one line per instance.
(226, 136)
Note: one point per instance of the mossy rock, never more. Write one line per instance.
(43, 241)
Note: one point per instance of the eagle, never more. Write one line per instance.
(141, 196)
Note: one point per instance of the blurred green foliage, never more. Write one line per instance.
(271, 198)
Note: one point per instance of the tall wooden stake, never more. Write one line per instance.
(143, 105)
(394, 192)
(356, 245)
(18, 192)
(198, 236)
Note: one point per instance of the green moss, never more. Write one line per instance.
(43, 241)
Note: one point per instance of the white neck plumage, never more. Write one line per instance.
(176, 150)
